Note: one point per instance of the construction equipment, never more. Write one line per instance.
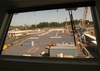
(84, 18)
(51, 44)
(82, 28)
(4, 47)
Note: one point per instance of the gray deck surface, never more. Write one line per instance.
(39, 44)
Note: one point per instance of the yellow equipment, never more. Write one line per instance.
(4, 47)
(51, 44)
(84, 21)
(84, 18)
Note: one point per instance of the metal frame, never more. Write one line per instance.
(4, 29)
(21, 63)
(53, 6)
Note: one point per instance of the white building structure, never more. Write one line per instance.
(17, 33)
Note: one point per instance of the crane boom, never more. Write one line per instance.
(84, 18)
(66, 22)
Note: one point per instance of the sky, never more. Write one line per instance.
(36, 17)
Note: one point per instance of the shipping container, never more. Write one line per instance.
(66, 50)
(28, 43)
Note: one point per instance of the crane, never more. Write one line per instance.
(66, 26)
(84, 18)
(66, 22)
(81, 27)
(25, 26)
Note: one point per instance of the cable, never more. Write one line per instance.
(73, 28)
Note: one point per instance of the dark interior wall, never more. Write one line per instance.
(2, 14)
(95, 10)
(19, 63)
(30, 3)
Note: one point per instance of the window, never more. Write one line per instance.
(49, 33)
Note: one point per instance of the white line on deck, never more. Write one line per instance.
(45, 33)
(26, 55)
(36, 49)
(57, 33)
(30, 49)
(34, 38)
(33, 48)
(56, 37)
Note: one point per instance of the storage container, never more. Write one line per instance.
(28, 43)
(66, 50)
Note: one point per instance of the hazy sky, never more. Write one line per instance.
(36, 17)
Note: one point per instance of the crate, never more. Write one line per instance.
(28, 43)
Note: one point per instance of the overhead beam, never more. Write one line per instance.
(53, 6)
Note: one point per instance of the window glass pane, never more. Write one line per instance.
(49, 33)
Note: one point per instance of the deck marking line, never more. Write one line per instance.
(26, 55)
(30, 49)
(45, 33)
(36, 49)
(56, 37)
(57, 33)
(34, 38)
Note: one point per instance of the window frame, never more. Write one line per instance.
(19, 62)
